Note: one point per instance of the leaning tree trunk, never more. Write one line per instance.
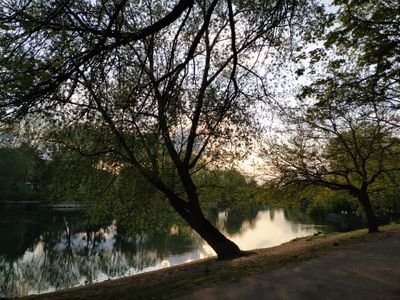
(225, 248)
(369, 212)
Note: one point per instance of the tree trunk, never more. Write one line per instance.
(225, 248)
(369, 212)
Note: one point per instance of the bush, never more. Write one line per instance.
(18, 173)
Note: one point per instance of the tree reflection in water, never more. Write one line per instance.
(65, 253)
(47, 250)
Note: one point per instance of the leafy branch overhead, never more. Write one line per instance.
(358, 51)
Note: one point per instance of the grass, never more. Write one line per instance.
(178, 280)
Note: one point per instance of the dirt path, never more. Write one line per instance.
(360, 271)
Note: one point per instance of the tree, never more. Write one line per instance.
(347, 137)
(369, 30)
(356, 48)
(223, 188)
(167, 83)
(18, 173)
(341, 147)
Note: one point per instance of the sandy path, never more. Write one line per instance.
(360, 271)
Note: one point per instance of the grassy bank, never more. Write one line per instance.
(178, 280)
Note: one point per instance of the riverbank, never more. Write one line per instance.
(179, 280)
(34, 205)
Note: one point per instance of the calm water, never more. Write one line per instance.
(45, 250)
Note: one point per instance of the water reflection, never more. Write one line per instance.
(269, 228)
(46, 251)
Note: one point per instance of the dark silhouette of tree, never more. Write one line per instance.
(347, 137)
(357, 51)
(166, 83)
(342, 147)
(18, 173)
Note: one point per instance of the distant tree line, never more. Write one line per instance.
(112, 191)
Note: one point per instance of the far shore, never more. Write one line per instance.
(40, 204)
(182, 279)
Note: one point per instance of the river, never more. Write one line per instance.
(45, 250)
